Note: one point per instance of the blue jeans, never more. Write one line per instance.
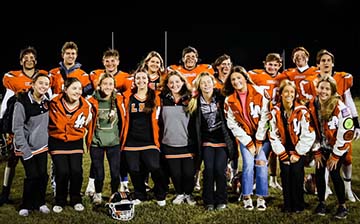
(261, 171)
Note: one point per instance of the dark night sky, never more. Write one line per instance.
(246, 48)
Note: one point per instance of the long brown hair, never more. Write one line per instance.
(228, 88)
(150, 103)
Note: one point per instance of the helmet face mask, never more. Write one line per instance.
(120, 206)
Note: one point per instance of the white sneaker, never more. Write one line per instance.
(90, 189)
(44, 209)
(97, 199)
(274, 184)
(79, 207)
(161, 203)
(179, 199)
(124, 187)
(260, 204)
(57, 209)
(136, 202)
(189, 199)
(350, 196)
(24, 212)
(248, 204)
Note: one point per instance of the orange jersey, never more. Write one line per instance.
(68, 128)
(191, 74)
(300, 78)
(18, 81)
(219, 84)
(15, 82)
(57, 80)
(344, 81)
(261, 78)
(123, 80)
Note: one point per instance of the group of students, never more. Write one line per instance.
(168, 121)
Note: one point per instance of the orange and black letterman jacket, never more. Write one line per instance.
(154, 122)
(120, 105)
(66, 134)
(302, 134)
(335, 134)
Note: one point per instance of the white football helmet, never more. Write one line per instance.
(121, 207)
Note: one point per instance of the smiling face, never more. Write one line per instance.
(153, 65)
(111, 63)
(300, 58)
(107, 86)
(41, 85)
(69, 56)
(28, 61)
(73, 91)
(141, 80)
(225, 67)
(175, 84)
(324, 91)
(206, 85)
(272, 67)
(238, 81)
(190, 59)
(288, 94)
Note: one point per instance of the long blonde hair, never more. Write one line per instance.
(327, 107)
(193, 102)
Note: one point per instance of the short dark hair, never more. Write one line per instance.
(28, 50)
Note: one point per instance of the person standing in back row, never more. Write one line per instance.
(69, 68)
(190, 67)
(267, 78)
(123, 81)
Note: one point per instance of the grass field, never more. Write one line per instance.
(150, 212)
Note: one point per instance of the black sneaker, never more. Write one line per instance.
(320, 209)
(341, 212)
